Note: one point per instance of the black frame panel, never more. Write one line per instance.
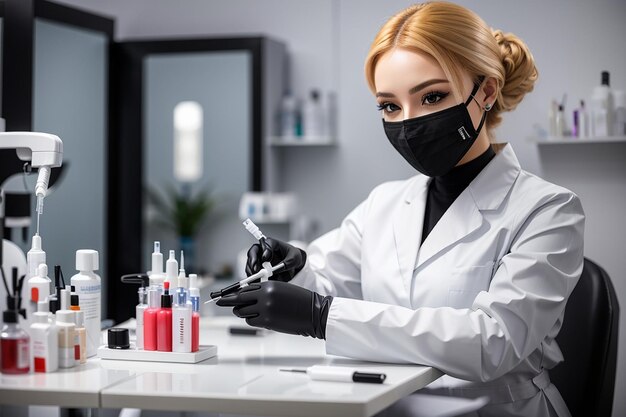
(126, 150)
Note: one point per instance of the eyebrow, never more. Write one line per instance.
(414, 89)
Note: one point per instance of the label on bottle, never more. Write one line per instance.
(89, 296)
(23, 357)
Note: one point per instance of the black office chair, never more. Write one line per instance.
(588, 339)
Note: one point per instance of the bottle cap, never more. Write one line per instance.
(80, 319)
(87, 260)
(605, 78)
(54, 305)
(118, 338)
(74, 300)
(42, 270)
(166, 298)
(42, 307)
(66, 316)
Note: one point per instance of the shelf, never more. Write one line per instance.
(577, 141)
(302, 141)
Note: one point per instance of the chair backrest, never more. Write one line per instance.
(588, 339)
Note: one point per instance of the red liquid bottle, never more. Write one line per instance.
(14, 346)
(164, 321)
(150, 320)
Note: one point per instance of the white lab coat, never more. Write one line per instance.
(482, 298)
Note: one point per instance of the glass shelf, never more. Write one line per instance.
(577, 141)
(302, 141)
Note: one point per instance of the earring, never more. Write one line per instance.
(488, 106)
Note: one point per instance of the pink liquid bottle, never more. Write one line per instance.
(164, 321)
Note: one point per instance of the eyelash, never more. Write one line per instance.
(430, 95)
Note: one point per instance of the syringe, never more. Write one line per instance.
(267, 271)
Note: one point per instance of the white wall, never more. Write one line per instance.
(572, 41)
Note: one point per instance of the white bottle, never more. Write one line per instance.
(38, 288)
(313, 123)
(139, 310)
(602, 108)
(619, 98)
(88, 287)
(171, 269)
(65, 320)
(181, 319)
(156, 273)
(44, 337)
(35, 257)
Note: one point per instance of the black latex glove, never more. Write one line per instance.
(281, 306)
(275, 252)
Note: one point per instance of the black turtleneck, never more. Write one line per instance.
(443, 190)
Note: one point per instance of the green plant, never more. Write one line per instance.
(181, 211)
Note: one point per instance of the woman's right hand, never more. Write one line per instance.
(275, 252)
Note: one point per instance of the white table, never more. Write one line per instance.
(244, 378)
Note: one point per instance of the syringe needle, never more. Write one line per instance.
(212, 299)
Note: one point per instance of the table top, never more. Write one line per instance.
(244, 378)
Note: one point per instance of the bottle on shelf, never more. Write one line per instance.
(313, 120)
(45, 340)
(602, 108)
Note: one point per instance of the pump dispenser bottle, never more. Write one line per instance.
(164, 321)
(88, 287)
(44, 341)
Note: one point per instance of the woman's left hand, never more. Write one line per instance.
(281, 306)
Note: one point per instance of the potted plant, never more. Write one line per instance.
(184, 213)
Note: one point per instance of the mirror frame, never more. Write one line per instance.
(125, 181)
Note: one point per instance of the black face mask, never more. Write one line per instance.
(435, 143)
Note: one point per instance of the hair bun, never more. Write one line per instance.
(519, 68)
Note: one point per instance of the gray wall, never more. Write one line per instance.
(220, 82)
(572, 42)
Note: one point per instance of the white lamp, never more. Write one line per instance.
(188, 123)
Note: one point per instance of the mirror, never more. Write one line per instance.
(218, 85)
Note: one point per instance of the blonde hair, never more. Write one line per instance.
(458, 39)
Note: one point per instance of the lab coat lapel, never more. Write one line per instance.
(461, 219)
(407, 227)
(486, 192)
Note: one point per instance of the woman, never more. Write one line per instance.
(465, 267)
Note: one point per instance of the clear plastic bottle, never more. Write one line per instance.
(602, 108)
(139, 314)
(313, 123)
(14, 347)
